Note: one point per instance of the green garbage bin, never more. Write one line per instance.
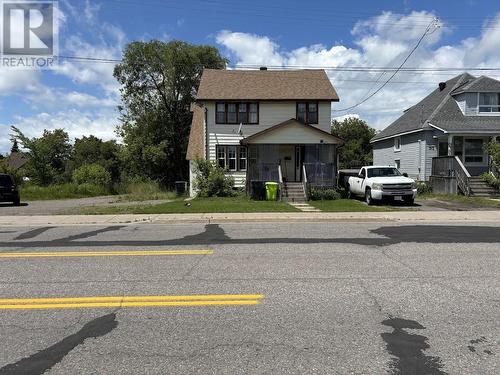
(271, 191)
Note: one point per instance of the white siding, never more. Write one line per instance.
(225, 139)
(415, 155)
(270, 114)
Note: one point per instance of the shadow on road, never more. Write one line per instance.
(214, 235)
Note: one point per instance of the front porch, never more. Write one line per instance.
(294, 155)
(469, 149)
(461, 161)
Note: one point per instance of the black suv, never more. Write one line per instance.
(8, 190)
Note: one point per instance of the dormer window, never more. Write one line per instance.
(489, 102)
(307, 112)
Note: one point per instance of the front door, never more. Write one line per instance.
(287, 160)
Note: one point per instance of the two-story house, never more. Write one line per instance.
(445, 133)
(266, 125)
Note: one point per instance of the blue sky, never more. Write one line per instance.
(82, 96)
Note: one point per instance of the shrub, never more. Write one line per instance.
(93, 174)
(423, 188)
(211, 180)
(491, 180)
(317, 194)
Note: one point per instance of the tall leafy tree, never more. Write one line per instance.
(15, 146)
(159, 81)
(47, 155)
(357, 150)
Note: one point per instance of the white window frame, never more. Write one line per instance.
(397, 141)
(218, 151)
(497, 113)
(223, 153)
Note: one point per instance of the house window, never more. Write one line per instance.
(489, 102)
(398, 163)
(243, 113)
(237, 113)
(254, 113)
(397, 144)
(233, 158)
(474, 151)
(307, 112)
(221, 156)
(242, 159)
(232, 115)
(220, 116)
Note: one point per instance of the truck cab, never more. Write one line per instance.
(376, 183)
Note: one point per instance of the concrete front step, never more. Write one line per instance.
(304, 207)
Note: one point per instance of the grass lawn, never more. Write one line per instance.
(199, 205)
(349, 205)
(470, 202)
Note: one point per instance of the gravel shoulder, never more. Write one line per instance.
(54, 207)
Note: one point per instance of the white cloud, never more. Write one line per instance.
(384, 41)
(77, 123)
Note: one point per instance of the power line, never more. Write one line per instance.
(368, 69)
(434, 22)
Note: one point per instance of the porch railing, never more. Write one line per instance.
(452, 166)
(305, 183)
(320, 174)
(280, 182)
(264, 172)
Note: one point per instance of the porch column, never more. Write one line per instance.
(450, 145)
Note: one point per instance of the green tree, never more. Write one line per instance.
(493, 149)
(15, 146)
(47, 155)
(159, 81)
(92, 150)
(356, 133)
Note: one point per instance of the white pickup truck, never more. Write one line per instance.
(382, 182)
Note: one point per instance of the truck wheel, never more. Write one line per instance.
(368, 197)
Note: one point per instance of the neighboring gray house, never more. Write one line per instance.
(266, 125)
(456, 120)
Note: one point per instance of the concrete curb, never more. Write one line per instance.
(410, 216)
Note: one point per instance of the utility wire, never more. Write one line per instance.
(433, 23)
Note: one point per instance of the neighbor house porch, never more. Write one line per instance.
(462, 160)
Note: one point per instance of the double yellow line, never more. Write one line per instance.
(129, 301)
(105, 253)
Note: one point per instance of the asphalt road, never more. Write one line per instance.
(296, 298)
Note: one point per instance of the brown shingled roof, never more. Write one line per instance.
(15, 161)
(266, 85)
(196, 143)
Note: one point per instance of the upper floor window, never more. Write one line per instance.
(489, 102)
(307, 112)
(236, 113)
(397, 144)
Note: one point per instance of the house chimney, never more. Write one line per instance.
(263, 68)
(442, 86)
